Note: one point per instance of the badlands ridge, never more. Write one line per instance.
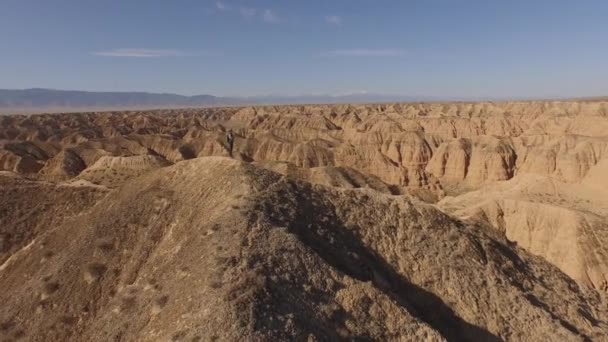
(458, 222)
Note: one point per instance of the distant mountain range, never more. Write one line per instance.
(42, 99)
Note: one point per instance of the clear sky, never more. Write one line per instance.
(444, 48)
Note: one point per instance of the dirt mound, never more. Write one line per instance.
(112, 171)
(342, 177)
(217, 248)
(66, 164)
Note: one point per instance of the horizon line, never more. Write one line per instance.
(425, 98)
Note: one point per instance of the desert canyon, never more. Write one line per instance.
(479, 221)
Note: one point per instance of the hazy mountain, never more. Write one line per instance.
(58, 99)
(37, 98)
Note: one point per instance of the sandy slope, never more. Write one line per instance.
(215, 247)
(565, 223)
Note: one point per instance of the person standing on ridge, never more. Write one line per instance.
(230, 141)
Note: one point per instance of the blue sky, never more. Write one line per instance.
(443, 48)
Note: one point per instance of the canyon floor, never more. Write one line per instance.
(405, 222)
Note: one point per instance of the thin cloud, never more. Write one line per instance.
(364, 53)
(333, 20)
(142, 53)
(221, 6)
(270, 16)
(248, 12)
(266, 15)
